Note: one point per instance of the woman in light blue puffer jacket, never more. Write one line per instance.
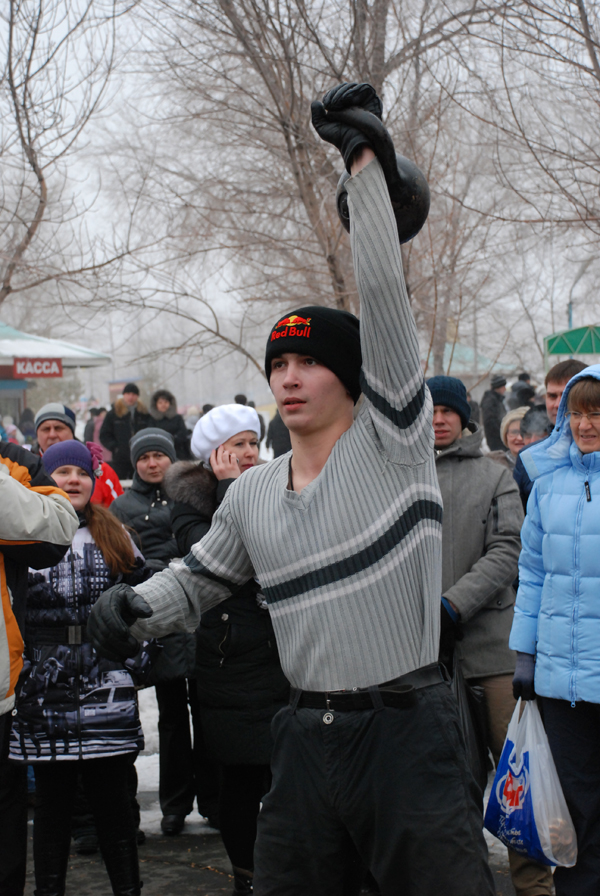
(556, 629)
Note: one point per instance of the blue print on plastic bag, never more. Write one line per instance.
(509, 815)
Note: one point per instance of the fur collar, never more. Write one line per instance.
(121, 409)
(163, 415)
(160, 415)
(192, 483)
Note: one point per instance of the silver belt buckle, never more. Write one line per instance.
(74, 632)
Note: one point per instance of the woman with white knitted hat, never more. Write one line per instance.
(227, 438)
(239, 678)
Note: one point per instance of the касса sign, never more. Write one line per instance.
(37, 367)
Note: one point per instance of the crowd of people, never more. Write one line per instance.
(311, 615)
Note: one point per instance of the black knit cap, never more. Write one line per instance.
(326, 334)
(450, 392)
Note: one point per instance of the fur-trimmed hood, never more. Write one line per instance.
(192, 483)
(121, 409)
(163, 415)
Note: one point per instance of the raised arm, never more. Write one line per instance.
(392, 380)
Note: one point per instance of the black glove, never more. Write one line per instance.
(524, 675)
(377, 136)
(450, 633)
(111, 616)
(347, 139)
(353, 109)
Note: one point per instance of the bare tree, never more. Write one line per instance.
(249, 191)
(58, 58)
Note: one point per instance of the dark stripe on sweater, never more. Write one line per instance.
(355, 563)
(403, 418)
(196, 566)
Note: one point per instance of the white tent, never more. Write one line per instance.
(15, 344)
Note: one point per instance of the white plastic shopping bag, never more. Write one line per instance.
(527, 809)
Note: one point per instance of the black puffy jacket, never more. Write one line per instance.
(239, 678)
(492, 412)
(173, 423)
(119, 425)
(146, 508)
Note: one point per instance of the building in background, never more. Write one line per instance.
(24, 357)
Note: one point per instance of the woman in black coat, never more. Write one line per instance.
(185, 770)
(163, 410)
(239, 678)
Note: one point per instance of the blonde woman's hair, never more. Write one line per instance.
(509, 418)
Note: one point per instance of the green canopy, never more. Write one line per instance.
(580, 341)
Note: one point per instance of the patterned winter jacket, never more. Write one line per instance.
(72, 704)
(37, 523)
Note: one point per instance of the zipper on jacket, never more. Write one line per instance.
(576, 583)
(588, 493)
(78, 654)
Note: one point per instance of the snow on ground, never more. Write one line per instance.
(149, 718)
(147, 771)
(147, 762)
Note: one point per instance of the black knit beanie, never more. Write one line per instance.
(326, 334)
(450, 392)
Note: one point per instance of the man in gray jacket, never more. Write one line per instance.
(480, 552)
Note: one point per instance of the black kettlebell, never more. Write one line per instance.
(409, 194)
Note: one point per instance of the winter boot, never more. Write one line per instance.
(51, 861)
(242, 882)
(86, 844)
(121, 860)
(52, 885)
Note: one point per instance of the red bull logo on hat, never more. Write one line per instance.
(294, 325)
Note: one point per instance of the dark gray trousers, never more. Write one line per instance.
(388, 789)
(13, 817)
(574, 738)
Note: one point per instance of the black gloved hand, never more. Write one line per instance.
(356, 109)
(450, 633)
(523, 678)
(377, 136)
(347, 139)
(350, 94)
(111, 616)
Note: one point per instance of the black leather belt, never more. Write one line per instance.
(61, 634)
(399, 693)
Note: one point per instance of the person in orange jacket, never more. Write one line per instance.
(37, 525)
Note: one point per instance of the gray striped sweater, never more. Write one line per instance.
(351, 567)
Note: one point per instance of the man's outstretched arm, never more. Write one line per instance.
(173, 600)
